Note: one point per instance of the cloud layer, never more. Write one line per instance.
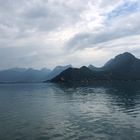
(46, 33)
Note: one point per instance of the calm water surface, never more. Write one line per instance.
(53, 112)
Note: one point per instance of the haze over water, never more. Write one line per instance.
(108, 111)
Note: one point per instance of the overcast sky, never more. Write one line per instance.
(46, 33)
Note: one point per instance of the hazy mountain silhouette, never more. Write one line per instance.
(56, 71)
(30, 75)
(24, 75)
(123, 67)
(93, 68)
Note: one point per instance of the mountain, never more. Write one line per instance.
(30, 75)
(24, 75)
(93, 68)
(83, 74)
(56, 71)
(120, 61)
(74, 74)
(123, 67)
(33, 75)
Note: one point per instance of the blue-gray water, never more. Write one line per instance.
(53, 112)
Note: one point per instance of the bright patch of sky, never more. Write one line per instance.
(126, 8)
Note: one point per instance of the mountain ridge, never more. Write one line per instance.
(29, 75)
(124, 66)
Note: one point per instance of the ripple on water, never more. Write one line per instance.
(48, 111)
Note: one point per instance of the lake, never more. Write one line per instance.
(105, 111)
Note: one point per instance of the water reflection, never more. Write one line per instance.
(126, 95)
(106, 110)
(70, 112)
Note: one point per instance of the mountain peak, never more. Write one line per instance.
(83, 67)
(120, 61)
(62, 67)
(91, 66)
(126, 55)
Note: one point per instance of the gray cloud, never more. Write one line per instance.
(121, 27)
(39, 33)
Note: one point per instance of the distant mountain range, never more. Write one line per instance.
(23, 75)
(123, 67)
